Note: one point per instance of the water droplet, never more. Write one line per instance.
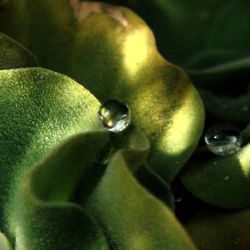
(223, 139)
(226, 177)
(115, 115)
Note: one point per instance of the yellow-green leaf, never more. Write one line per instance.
(130, 216)
(222, 181)
(38, 109)
(112, 52)
(45, 215)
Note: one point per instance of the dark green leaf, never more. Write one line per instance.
(222, 181)
(14, 55)
(220, 229)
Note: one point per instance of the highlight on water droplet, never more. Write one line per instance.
(223, 139)
(115, 115)
(226, 177)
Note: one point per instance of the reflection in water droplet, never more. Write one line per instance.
(226, 177)
(115, 115)
(223, 139)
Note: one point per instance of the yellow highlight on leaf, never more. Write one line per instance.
(4, 243)
(178, 136)
(243, 158)
(136, 50)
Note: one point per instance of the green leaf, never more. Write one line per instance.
(38, 109)
(224, 230)
(130, 216)
(117, 210)
(229, 108)
(4, 243)
(154, 184)
(14, 55)
(208, 39)
(45, 27)
(160, 96)
(113, 54)
(46, 217)
(222, 181)
(218, 30)
(135, 146)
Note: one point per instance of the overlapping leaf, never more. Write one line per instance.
(210, 39)
(38, 109)
(114, 212)
(45, 217)
(112, 52)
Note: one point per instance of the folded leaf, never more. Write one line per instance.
(135, 146)
(131, 217)
(127, 216)
(126, 65)
(154, 184)
(112, 52)
(45, 217)
(38, 109)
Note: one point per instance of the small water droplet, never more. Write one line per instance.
(226, 177)
(223, 139)
(215, 163)
(115, 115)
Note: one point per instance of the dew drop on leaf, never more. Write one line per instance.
(223, 139)
(115, 115)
